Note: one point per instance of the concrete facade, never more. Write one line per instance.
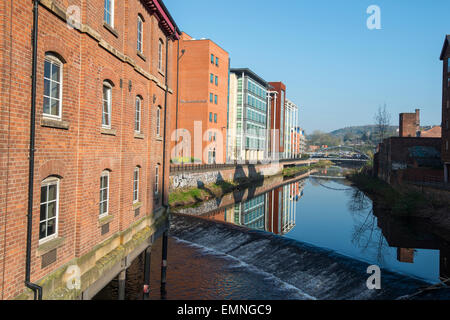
(87, 131)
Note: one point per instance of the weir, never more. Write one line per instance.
(318, 273)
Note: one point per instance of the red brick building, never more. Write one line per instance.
(445, 57)
(203, 101)
(277, 116)
(104, 83)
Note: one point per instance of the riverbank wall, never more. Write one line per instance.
(200, 176)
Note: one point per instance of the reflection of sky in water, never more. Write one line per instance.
(323, 218)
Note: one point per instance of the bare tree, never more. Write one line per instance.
(382, 122)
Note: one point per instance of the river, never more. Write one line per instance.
(302, 239)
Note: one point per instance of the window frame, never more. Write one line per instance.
(216, 99)
(212, 58)
(216, 80)
(158, 121)
(160, 55)
(106, 174)
(140, 34)
(156, 185)
(138, 115)
(53, 60)
(109, 87)
(111, 12)
(215, 117)
(217, 61)
(136, 184)
(46, 183)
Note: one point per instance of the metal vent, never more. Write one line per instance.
(105, 229)
(48, 258)
(137, 212)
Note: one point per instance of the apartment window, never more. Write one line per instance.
(448, 82)
(104, 194)
(211, 97)
(217, 61)
(52, 87)
(137, 117)
(212, 58)
(157, 179)
(217, 81)
(109, 12)
(158, 121)
(48, 226)
(215, 117)
(215, 99)
(210, 116)
(136, 185)
(160, 55)
(140, 24)
(211, 78)
(448, 65)
(107, 101)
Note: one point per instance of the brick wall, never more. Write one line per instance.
(76, 149)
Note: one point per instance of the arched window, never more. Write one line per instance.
(53, 68)
(160, 55)
(109, 12)
(158, 121)
(136, 185)
(48, 226)
(138, 113)
(107, 103)
(104, 194)
(140, 32)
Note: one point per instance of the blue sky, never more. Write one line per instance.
(336, 69)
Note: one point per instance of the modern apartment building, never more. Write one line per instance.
(277, 107)
(445, 57)
(82, 140)
(247, 116)
(291, 122)
(203, 100)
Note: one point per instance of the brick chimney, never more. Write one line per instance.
(410, 124)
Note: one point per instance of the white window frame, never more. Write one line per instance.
(54, 61)
(140, 34)
(107, 85)
(136, 185)
(111, 12)
(46, 183)
(104, 214)
(138, 115)
(156, 190)
(158, 122)
(160, 55)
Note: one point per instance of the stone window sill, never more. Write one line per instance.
(159, 139)
(141, 55)
(108, 132)
(110, 29)
(49, 246)
(105, 220)
(56, 124)
(137, 205)
(139, 136)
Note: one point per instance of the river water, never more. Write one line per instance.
(307, 239)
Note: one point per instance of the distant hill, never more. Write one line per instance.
(359, 131)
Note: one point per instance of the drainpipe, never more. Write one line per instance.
(36, 289)
(163, 191)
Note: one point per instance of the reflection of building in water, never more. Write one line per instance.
(273, 211)
(405, 255)
(404, 237)
(251, 213)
